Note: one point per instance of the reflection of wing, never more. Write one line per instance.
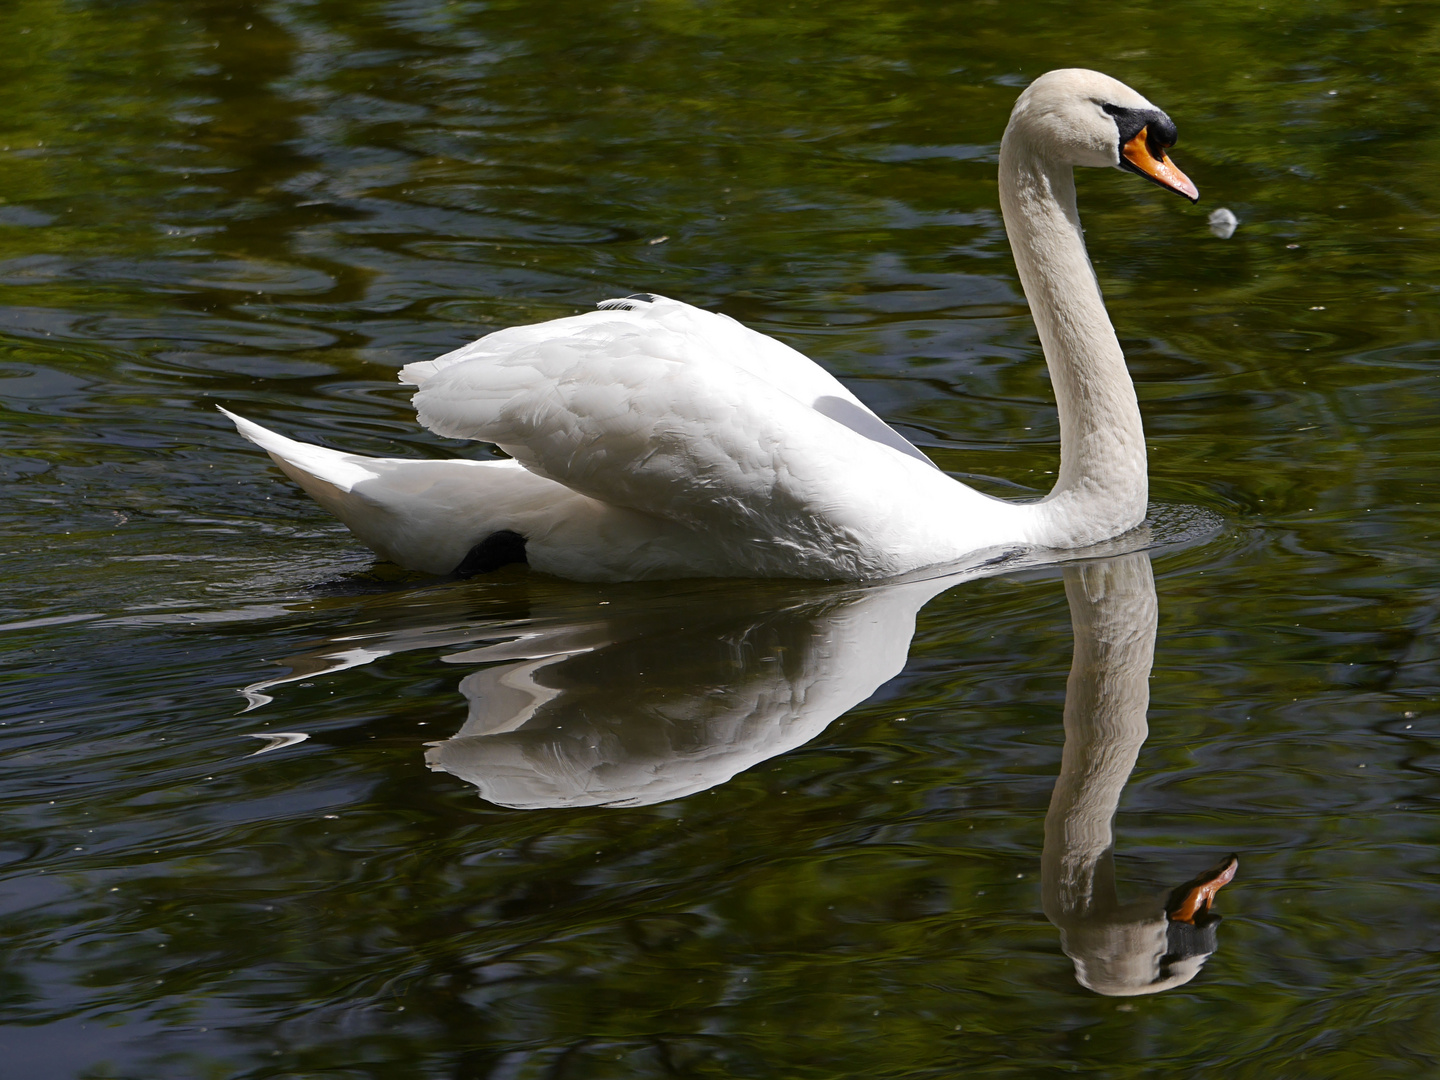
(503, 698)
(676, 710)
(690, 417)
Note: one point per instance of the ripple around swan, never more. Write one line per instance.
(1168, 528)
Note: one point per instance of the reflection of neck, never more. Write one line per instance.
(1113, 612)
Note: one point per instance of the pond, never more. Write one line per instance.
(274, 809)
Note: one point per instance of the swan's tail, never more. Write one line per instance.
(314, 468)
(426, 515)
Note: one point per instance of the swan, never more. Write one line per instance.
(652, 439)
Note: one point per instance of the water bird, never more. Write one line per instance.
(653, 439)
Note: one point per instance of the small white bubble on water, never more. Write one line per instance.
(1223, 223)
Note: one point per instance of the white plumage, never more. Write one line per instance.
(653, 439)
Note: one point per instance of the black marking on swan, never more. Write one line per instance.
(496, 550)
(626, 303)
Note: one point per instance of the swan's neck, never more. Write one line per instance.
(1102, 487)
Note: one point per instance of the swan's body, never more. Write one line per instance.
(653, 439)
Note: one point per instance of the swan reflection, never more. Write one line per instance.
(662, 700)
(617, 715)
(1150, 944)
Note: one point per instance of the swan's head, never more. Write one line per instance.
(1082, 117)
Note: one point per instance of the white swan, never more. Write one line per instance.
(652, 439)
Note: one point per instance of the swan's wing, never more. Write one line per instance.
(696, 336)
(659, 419)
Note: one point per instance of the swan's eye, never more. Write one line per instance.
(1128, 122)
(1159, 129)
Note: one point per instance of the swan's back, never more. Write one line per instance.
(684, 333)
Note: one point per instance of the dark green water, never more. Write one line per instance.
(272, 206)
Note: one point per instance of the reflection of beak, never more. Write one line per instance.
(1154, 164)
(1193, 899)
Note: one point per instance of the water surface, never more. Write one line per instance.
(829, 854)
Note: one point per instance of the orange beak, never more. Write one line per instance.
(1195, 896)
(1151, 162)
